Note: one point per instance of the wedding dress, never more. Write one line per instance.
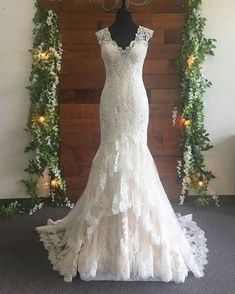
(123, 226)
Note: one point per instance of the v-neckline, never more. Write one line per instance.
(127, 47)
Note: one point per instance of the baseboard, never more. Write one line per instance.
(10, 200)
(224, 199)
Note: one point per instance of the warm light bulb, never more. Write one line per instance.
(187, 122)
(55, 183)
(200, 183)
(191, 60)
(43, 56)
(41, 119)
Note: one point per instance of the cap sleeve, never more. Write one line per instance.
(102, 35)
(99, 35)
(145, 34)
(149, 34)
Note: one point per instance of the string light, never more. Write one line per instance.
(200, 183)
(55, 183)
(191, 60)
(42, 56)
(41, 119)
(187, 123)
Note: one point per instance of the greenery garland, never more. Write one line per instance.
(195, 139)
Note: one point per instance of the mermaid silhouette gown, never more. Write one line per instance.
(123, 226)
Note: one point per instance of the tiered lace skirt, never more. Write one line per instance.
(123, 226)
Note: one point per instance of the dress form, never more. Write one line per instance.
(123, 30)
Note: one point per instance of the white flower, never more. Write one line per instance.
(182, 197)
(174, 115)
(14, 204)
(40, 205)
(67, 203)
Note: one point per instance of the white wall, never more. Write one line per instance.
(220, 98)
(15, 40)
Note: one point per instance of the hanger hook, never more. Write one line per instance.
(125, 4)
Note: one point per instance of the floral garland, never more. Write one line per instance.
(43, 120)
(191, 169)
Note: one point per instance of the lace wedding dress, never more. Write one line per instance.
(123, 226)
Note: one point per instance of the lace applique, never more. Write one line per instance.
(196, 238)
(143, 34)
(139, 227)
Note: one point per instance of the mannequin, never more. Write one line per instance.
(123, 30)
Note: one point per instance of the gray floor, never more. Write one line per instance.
(24, 267)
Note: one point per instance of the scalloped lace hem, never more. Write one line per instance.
(123, 226)
(65, 259)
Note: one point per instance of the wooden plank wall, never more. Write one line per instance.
(82, 79)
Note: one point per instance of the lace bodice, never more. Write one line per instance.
(124, 103)
(142, 36)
